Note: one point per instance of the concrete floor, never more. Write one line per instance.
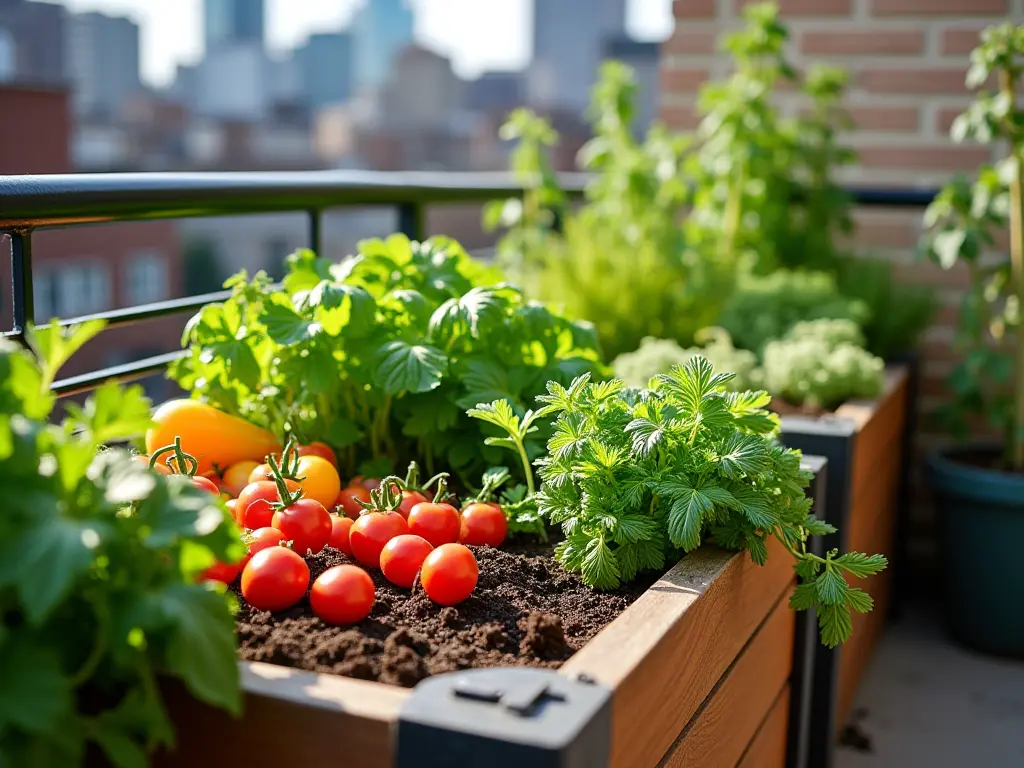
(927, 702)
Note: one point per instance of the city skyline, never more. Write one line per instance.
(172, 30)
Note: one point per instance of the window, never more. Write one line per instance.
(146, 278)
(81, 289)
(43, 295)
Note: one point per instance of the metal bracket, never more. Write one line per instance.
(503, 718)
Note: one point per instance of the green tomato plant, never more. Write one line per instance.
(98, 564)
(960, 225)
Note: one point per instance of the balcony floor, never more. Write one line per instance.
(927, 702)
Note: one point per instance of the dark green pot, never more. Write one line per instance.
(981, 550)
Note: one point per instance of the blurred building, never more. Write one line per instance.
(87, 269)
(380, 30)
(325, 66)
(36, 33)
(568, 42)
(232, 83)
(103, 57)
(642, 57)
(496, 93)
(227, 22)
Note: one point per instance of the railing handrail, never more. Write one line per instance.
(30, 202)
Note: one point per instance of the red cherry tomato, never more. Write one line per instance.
(306, 524)
(261, 472)
(254, 508)
(206, 484)
(371, 532)
(402, 557)
(449, 574)
(342, 595)
(347, 500)
(222, 572)
(409, 500)
(261, 539)
(483, 523)
(274, 579)
(341, 526)
(322, 450)
(232, 505)
(437, 523)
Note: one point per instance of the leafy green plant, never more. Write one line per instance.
(98, 559)
(380, 356)
(637, 477)
(821, 364)
(657, 356)
(764, 308)
(620, 260)
(960, 224)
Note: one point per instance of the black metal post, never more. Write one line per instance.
(315, 233)
(411, 220)
(21, 266)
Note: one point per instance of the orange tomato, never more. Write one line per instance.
(160, 468)
(210, 435)
(320, 480)
(236, 477)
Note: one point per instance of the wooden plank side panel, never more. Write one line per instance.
(768, 748)
(729, 720)
(341, 722)
(880, 424)
(666, 652)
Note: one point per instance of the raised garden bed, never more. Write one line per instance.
(697, 670)
(864, 443)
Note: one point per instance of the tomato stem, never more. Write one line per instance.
(287, 497)
(185, 463)
(442, 487)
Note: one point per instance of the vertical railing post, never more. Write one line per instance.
(411, 220)
(315, 231)
(21, 263)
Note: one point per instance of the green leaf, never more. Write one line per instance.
(686, 518)
(404, 367)
(285, 326)
(201, 648)
(835, 624)
(755, 508)
(645, 435)
(46, 559)
(599, 567)
(54, 345)
(861, 565)
(744, 455)
(35, 696)
(858, 600)
(804, 597)
(113, 413)
(816, 527)
(500, 414)
(633, 528)
(831, 588)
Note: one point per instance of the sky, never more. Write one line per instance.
(478, 35)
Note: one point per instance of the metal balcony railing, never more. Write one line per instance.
(28, 203)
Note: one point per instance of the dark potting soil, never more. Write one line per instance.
(785, 408)
(526, 611)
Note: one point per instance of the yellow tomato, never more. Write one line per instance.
(320, 480)
(236, 477)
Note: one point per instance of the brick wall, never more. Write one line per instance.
(907, 60)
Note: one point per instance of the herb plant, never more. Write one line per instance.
(380, 356)
(656, 356)
(960, 223)
(98, 561)
(821, 364)
(637, 477)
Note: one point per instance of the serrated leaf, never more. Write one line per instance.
(831, 588)
(804, 596)
(816, 527)
(861, 565)
(113, 412)
(599, 567)
(686, 518)
(858, 600)
(835, 624)
(404, 367)
(744, 455)
(645, 436)
(634, 528)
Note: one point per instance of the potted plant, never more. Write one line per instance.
(979, 487)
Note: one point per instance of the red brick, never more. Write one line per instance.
(925, 273)
(886, 230)
(918, 158)
(690, 42)
(956, 42)
(807, 7)
(683, 80)
(864, 42)
(939, 7)
(913, 81)
(885, 118)
(694, 9)
(944, 119)
(680, 117)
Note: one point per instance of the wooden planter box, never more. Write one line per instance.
(865, 444)
(709, 667)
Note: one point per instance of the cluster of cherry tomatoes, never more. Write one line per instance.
(283, 507)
